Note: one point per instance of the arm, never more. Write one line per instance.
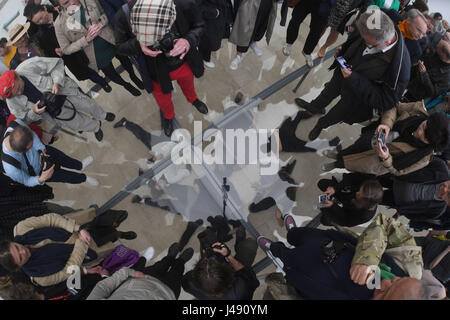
(65, 44)
(388, 163)
(126, 42)
(23, 109)
(236, 265)
(76, 259)
(100, 12)
(106, 287)
(48, 220)
(21, 176)
(439, 258)
(389, 117)
(433, 89)
(54, 67)
(381, 234)
(209, 12)
(197, 26)
(347, 217)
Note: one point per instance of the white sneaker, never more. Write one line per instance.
(257, 50)
(209, 64)
(287, 49)
(148, 253)
(93, 182)
(235, 63)
(309, 60)
(86, 161)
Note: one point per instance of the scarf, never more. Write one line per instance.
(406, 128)
(152, 19)
(52, 258)
(403, 26)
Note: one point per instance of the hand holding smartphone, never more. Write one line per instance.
(343, 63)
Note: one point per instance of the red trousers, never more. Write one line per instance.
(185, 79)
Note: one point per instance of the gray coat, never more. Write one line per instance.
(244, 24)
(42, 73)
(123, 286)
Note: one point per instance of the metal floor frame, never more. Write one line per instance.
(215, 182)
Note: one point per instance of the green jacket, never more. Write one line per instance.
(387, 235)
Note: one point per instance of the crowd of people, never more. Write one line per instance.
(391, 77)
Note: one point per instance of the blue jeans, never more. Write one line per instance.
(62, 175)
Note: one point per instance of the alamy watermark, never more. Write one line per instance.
(227, 146)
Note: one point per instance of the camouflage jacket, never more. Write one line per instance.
(387, 235)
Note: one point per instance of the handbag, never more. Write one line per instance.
(54, 104)
(121, 257)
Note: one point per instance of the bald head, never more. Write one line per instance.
(21, 139)
(401, 289)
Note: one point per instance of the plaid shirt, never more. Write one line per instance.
(152, 19)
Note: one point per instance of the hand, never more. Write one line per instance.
(55, 89)
(149, 52)
(93, 31)
(58, 51)
(422, 67)
(385, 128)
(381, 153)
(346, 73)
(218, 12)
(36, 108)
(360, 274)
(330, 191)
(338, 50)
(140, 275)
(181, 48)
(94, 270)
(84, 236)
(223, 250)
(46, 174)
(327, 204)
(103, 272)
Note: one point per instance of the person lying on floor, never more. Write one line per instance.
(350, 202)
(341, 266)
(45, 247)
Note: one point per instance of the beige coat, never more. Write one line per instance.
(368, 161)
(80, 248)
(71, 34)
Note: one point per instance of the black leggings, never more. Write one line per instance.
(145, 137)
(262, 205)
(111, 72)
(316, 27)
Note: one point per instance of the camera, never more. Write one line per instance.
(207, 238)
(165, 44)
(48, 162)
(52, 102)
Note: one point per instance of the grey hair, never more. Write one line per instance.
(377, 25)
(413, 14)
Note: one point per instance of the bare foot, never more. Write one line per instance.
(322, 52)
(279, 218)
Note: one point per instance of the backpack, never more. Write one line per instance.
(121, 257)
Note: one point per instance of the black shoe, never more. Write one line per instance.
(137, 82)
(186, 255)
(173, 250)
(120, 123)
(290, 167)
(315, 132)
(167, 126)
(136, 199)
(198, 222)
(99, 135)
(200, 106)
(129, 235)
(308, 106)
(107, 88)
(335, 141)
(235, 223)
(135, 92)
(121, 216)
(110, 117)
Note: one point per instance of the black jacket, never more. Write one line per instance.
(189, 24)
(435, 173)
(384, 93)
(216, 27)
(346, 214)
(431, 83)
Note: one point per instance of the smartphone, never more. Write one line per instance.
(382, 139)
(343, 63)
(323, 198)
